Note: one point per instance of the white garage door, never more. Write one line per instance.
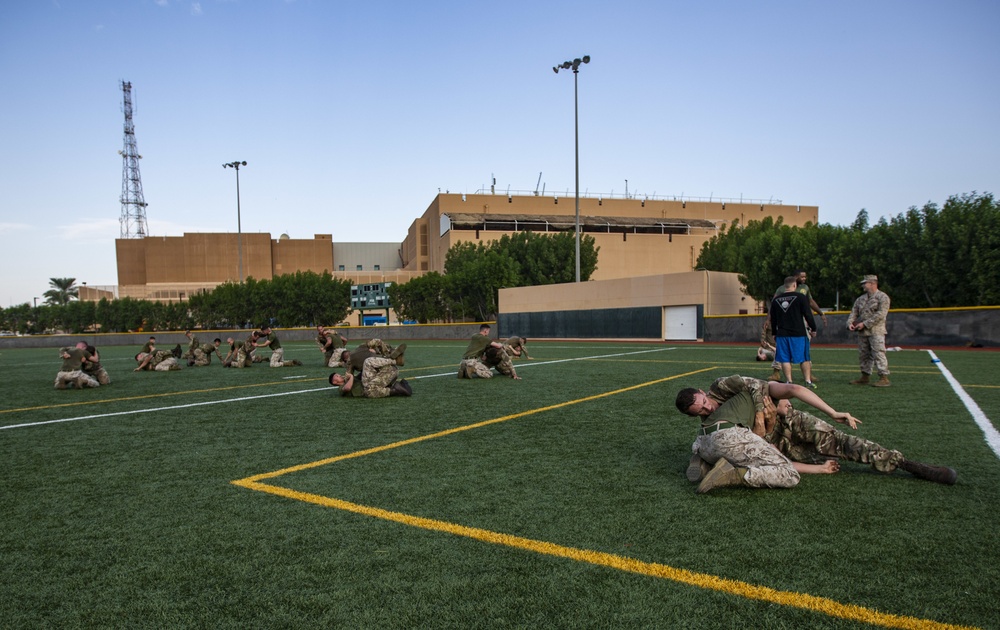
(680, 323)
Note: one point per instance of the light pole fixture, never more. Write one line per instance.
(239, 231)
(575, 67)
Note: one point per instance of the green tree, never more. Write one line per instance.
(63, 290)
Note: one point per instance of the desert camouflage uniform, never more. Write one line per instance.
(721, 437)
(379, 347)
(71, 372)
(498, 358)
(331, 353)
(803, 437)
(96, 370)
(278, 353)
(162, 361)
(872, 310)
(473, 360)
(768, 343)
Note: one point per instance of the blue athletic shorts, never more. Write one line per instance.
(791, 350)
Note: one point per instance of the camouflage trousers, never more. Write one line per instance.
(871, 350)
(377, 375)
(803, 437)
(475, 366)
(167, 364)
(201, 358)
(332, 359)
(245, 359)
(278, 359)
(379, 347)
(766, 467)
(501, 361)
(100, 375)
(70, 379)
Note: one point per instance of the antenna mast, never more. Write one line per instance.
(133, 218)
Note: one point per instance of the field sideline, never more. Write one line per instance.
(561, 498)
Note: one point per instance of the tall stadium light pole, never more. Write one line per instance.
(239, 231)
(575, 67)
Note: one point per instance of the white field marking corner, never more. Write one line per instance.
(301, 391)
(990, 431)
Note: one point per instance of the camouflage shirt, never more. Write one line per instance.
(872, 311)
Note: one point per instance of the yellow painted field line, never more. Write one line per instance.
(432, 436)
(737, 588)
(820, 605)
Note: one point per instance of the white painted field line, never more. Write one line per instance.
(990, 431)
(302, 391)
(534, 363)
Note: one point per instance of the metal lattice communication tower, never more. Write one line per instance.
(133, 219)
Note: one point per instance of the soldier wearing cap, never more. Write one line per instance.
(868, 320)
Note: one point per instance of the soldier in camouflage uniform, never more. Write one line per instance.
(801, 436)
(245, 353)
(332, 345)
(515, 347)
(270, 340)
(158, 360)
(71, 373)
(867, 318)
(482, 354)
(93, 367)
(378, 380)
(354, 361)
(765, 352)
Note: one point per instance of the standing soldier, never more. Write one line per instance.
(868, 320)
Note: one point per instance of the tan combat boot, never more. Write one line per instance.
(397, 354)
(861, 381)
(776, 375)
(697, 468)
(723, 474)
(883, 381)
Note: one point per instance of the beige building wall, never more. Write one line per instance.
(620, 255)
(719, 292)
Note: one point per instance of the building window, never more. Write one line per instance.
(359, 267)
(378, 267)
(340, 268)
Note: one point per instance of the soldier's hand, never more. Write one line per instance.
(770, 415)
(845, 418)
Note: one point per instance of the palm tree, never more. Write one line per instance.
(62, 292)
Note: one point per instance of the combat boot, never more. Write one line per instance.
(723, 474)
(397, 354)
(937, 474)
(776, 375)
(697, 468)
(406, 386)
(177, 352)
(862, 381)
(398, 388)
(883, 381)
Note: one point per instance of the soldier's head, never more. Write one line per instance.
(217, 342)
(484, 329)
(870, 284)
(265, 329)
(695, 402)
(782, 406)
(337, 379)
(791, 283)
(800, 276)
(321, 329)
(345, 355)
(82, 345)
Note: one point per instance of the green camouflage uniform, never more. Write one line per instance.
(203, 354)
(377, 375)
(245, 356)
(472, 360)
(96, 370)
(332, 346)
(71, 372)
(805, 438)
(515, 347)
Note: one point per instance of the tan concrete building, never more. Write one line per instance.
(637, 237)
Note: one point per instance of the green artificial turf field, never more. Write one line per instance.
(213, 497)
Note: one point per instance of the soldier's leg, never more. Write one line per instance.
(379, 347)
(86, 380)
(62, 379)
(812, 440)
(377, 375)
(102, 376)
(277, 358)
(878, 354)
(766, 467)
(865, 354)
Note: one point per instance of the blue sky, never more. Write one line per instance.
(352, 115)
